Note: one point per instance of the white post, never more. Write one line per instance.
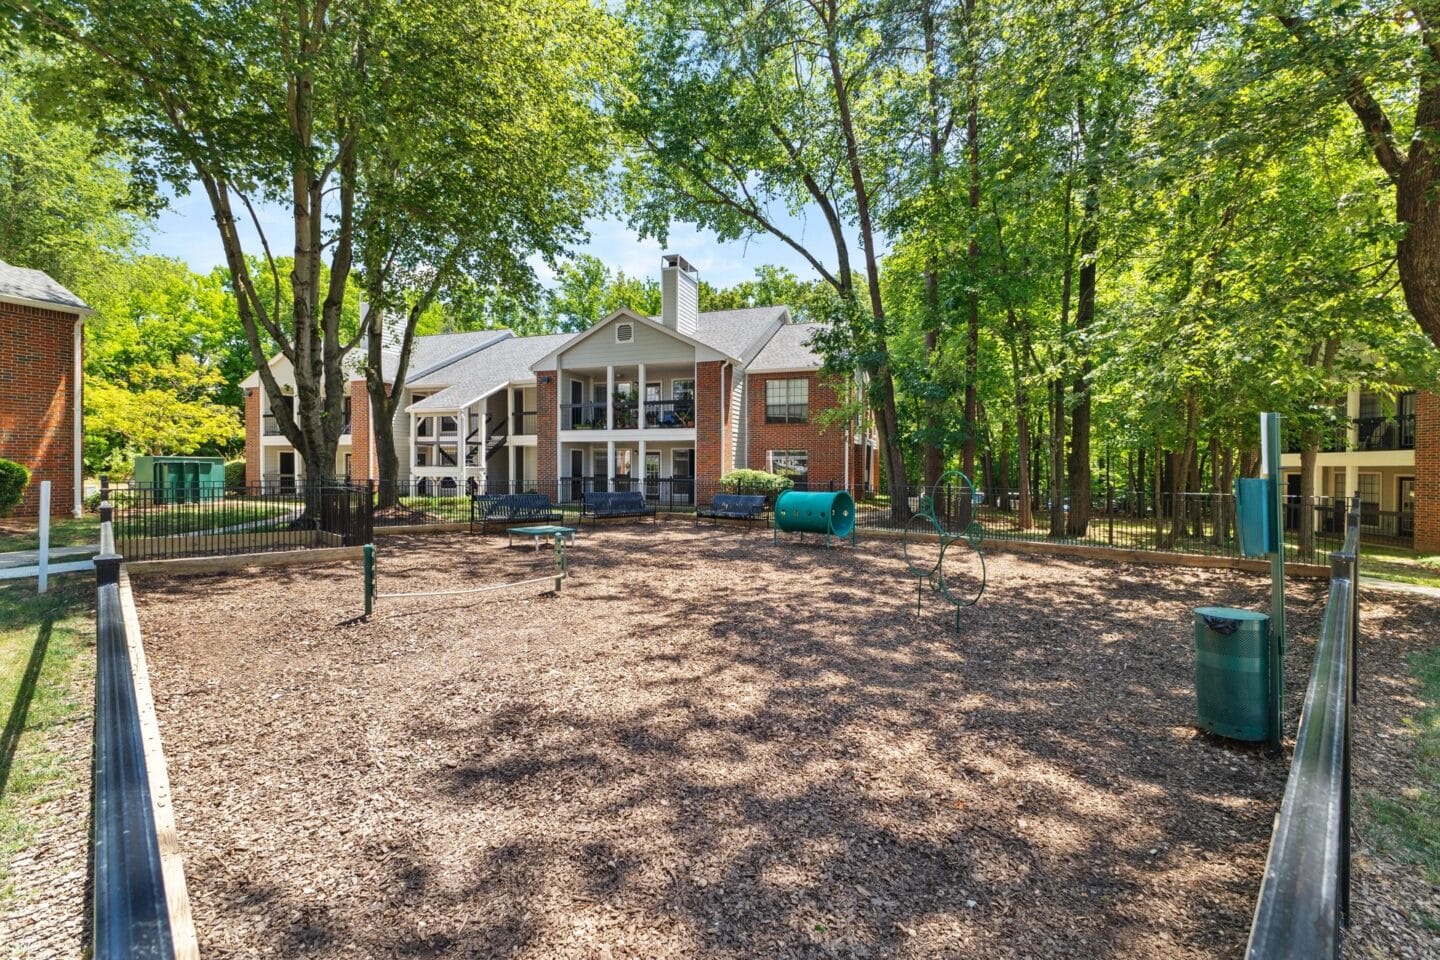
(42, 582)
(462, 429)
(410, 466)
(481, 460)
(644, 478)
(610, 465)
(610, 401)
(640, 422)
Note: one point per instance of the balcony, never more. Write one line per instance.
(271, 426)
(1386, 433)
(525, 423)
(670, 414)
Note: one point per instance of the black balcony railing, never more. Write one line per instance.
(669, 414)
(1386, 433)
(271, 426)
(526, 423)
(1305, 895)
(583, 416)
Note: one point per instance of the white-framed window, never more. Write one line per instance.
(787, 401)
(347, 466)
(794, 464)
(682, 389)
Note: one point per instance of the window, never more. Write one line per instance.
(682, 389)
(347, 466)
(624, 332)
(422, 456)
(794, 464)
(1369, 489)
(787, 401)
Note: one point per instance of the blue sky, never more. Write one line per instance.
(187, 231)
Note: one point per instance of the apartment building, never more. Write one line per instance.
(1390, 456)
(666, 404)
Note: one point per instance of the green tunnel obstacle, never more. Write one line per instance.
(831, 513)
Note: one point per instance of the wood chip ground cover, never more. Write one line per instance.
(708, 746)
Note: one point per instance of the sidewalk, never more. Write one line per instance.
(1375, 583)
(29, 558)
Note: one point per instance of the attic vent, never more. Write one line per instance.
(624, 332)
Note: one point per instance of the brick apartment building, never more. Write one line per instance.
(42, 342)
(667, 404)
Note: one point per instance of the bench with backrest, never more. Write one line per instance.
(512, 510)
(734, 506)
(614, 505)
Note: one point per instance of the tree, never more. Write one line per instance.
(1384, 63)
(461, 196)
(743, 112)
(69, 205)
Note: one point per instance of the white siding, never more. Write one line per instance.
(648, 346)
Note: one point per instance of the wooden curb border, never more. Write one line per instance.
(1307, 571)
(172, 867)
(284, 558)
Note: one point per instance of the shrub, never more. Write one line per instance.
(234, 474)
(756, 481)
(14, 478)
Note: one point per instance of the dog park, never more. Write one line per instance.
(711, 744)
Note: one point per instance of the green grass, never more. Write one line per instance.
(1400, 564)
(1407, 825)
(64, 532)
(189, 518)
(46, 659)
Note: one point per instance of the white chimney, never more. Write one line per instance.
(679, 294)
(392, 327)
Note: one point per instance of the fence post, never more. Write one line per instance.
(369, 578)
(42, 577)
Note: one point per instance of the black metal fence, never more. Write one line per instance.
(1304, 900)
(1192, 523)
(130, 916)
(219, 520)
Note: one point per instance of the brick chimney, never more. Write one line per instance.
(679, 294)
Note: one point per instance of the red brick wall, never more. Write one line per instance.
(253, 425)
(1427, 472)
(826, 449)
(727, 447)
(709, 421)
(37, 401)
(360, 438)
(546, 427)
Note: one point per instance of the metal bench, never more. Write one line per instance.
(615, 505)
(511, 509)
(734, 506)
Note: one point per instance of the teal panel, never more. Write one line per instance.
(1255, 516)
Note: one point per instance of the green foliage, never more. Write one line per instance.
(234, 474)
(14, 478)
(70, 209)
(1407, 821)
(756, 481)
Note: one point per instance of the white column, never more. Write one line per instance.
(1352, 429)
(410, 467)
(511, 477)
(462, 426)
(1352, 480)
(610, 404)
(640, 422)
(559, 425)
(640, 467)
(511, 427)
(609, 466)
(481, 460)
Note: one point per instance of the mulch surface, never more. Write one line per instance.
(709, 746)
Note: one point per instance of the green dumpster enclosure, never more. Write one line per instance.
(180, 479)
(1232, 682)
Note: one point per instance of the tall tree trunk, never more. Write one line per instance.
(1181, 465)
(972, 306)
(1080, 467)
(883, 380)
(933, 458)
(1057, 458)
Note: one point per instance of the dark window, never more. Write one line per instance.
(787, 401)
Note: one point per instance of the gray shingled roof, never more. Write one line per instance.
(486, 371)
(789, 349)
(737, 333)
(440, 350)
(20, 283)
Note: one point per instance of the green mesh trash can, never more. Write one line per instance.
(1232, 684)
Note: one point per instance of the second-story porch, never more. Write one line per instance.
(622, 398)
